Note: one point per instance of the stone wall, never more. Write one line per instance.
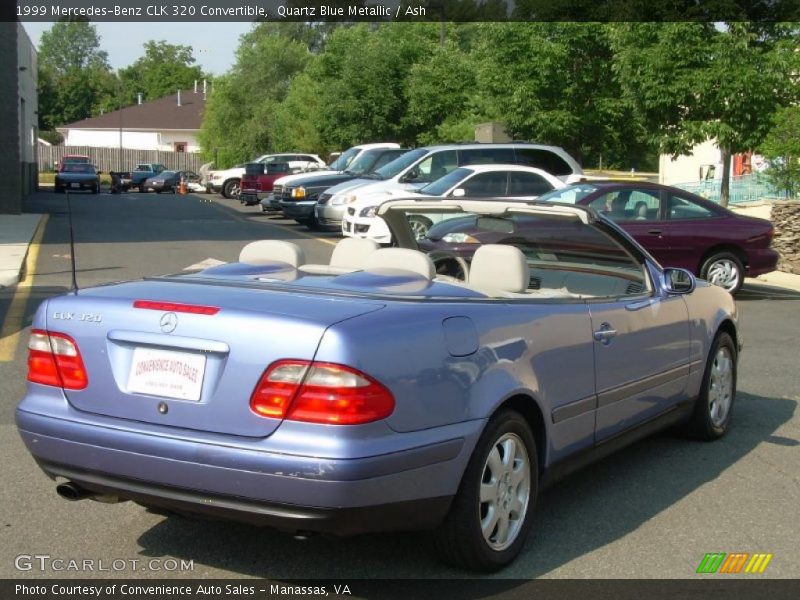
(786, 218)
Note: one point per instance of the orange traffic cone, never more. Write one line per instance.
(182, 187)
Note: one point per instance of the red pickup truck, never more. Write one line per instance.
(258, 179)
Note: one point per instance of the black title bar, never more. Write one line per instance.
(142, 11)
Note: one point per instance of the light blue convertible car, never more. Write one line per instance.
(377, 392)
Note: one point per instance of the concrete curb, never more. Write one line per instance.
(778, 279)
(16, 233)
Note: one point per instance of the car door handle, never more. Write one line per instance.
(605, 334)
(654, 232)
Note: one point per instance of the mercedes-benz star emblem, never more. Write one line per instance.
(169, 322)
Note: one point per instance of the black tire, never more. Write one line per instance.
(96, 189)
(312, 223)
(715, 267)
(231, 189)
(59, 190)
(142, 189)
(419, 225)
(702, 425)
(459, 540)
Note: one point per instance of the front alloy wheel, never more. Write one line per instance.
(713, 409)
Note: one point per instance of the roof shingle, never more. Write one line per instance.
(160, 114)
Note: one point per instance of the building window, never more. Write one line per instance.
(180, 146)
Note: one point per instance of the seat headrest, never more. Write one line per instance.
(401, 259)
(352, 253)
(267, 251)
(499, 267)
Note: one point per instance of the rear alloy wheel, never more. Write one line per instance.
(231, 189)
(712, 412)
(725, 270)
(419, 226)
(491, 514)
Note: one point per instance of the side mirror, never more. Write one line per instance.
(678, 281)
(458, 193)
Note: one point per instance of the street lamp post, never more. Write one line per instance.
(119, 102)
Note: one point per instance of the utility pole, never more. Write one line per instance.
(119, 102)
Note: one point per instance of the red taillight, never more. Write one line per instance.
(195, 309)
(54, 359)
(315, 392)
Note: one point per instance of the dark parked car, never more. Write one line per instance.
(77, 176)
(168, 181)
(681, 229)
(299, 199)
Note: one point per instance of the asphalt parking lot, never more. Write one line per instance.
(652, 511)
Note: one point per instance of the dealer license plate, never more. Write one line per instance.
(167, 373)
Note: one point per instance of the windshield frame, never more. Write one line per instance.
(459, 179)
(345, 159)
(402, 163)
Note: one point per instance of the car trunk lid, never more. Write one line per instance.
(158, 364)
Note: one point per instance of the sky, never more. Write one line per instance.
(214, 44)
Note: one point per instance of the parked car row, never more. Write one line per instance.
(678, 228)
(228, 182)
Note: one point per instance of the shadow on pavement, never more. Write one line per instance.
(583, 513)
(751, 292)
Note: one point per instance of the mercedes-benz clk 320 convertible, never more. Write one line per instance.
(377, 392)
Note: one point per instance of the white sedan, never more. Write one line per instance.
(475, 181)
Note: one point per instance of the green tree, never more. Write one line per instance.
(782, 148)
(553, 83)
(442, 96)
(691, 82)
(75, 80)
(295, 122)
(364, 73)
(239, 113)
(163, 69)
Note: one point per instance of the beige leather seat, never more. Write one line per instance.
(270, 251)
(350, 254)
(401, 259)
(499, 270)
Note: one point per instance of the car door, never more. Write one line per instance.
(641, 343)
(527, 185)
(491, 184)
(691, 227)
(638, 211)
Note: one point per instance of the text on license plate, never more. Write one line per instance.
(167, 373)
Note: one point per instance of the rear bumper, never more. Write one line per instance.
(245, 479)
(395, 516)
(760, 262)
(249, 198)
